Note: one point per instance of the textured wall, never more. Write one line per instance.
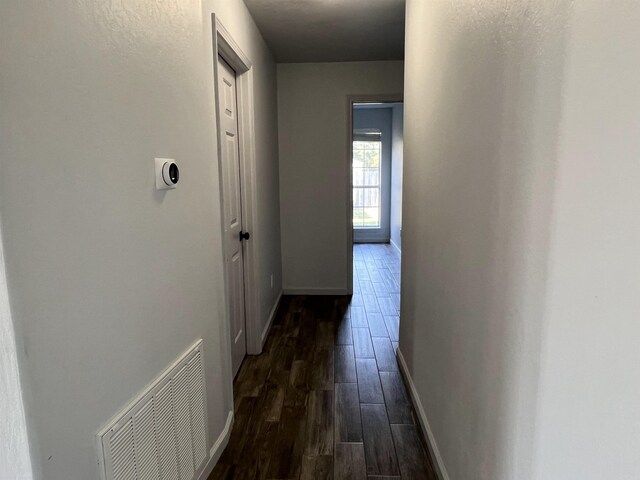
(589, 414)
(483, 92)
(109, 279)
(521, 271)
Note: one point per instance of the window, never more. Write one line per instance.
(366, 182)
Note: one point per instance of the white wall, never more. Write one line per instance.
(396, 174)
(520, 269)
(14, 454)
(109, 279)
(589, 411)
(482, 95)
(312, 116)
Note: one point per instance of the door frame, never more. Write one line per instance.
(225, 46)
(351, 99)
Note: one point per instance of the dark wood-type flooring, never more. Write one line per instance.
(326, 399)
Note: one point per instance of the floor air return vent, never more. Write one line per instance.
(161, 435)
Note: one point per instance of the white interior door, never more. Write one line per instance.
(232, 209)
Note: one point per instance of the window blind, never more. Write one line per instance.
(367, 135)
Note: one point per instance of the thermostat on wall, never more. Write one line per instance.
(167, 173)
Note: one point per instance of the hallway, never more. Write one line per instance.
(326, 399)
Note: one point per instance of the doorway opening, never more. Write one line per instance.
(375, 162)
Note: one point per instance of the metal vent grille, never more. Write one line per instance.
(162, 434)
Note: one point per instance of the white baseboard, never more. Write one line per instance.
(441, 470)
(316, 291)
(393, 244)
(218, 447)
(272, 315)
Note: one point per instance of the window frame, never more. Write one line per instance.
(376, 139)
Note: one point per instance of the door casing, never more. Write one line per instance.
(230, 51)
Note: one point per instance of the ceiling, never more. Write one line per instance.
(331, 30)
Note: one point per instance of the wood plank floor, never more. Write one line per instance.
(326, 400)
